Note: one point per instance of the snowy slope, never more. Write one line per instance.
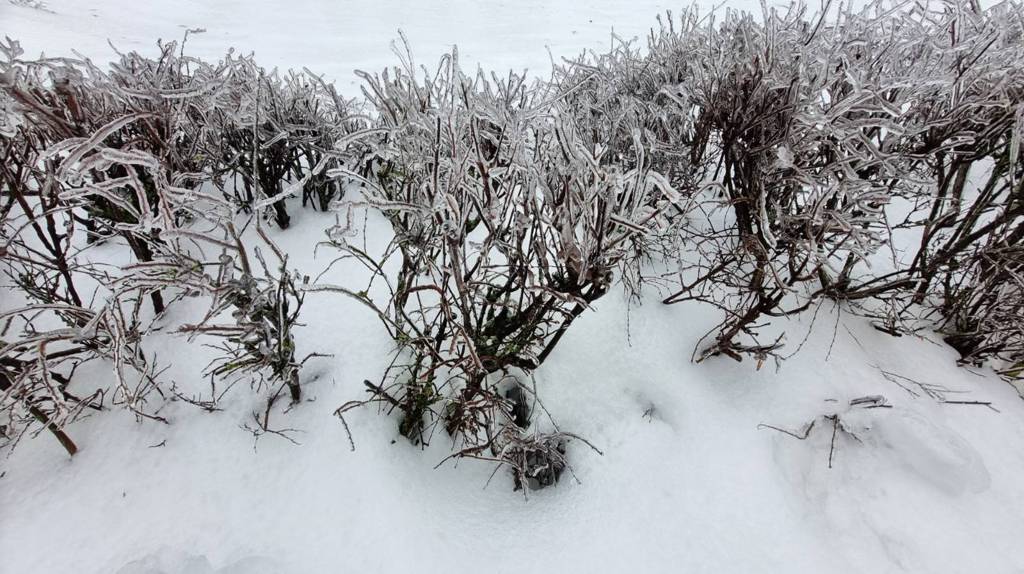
(688, 482)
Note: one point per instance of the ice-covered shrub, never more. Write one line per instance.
(259, 343)
(111, 133)
(508, 226)
(63, 320)
(791, 148)
(962, 166)
(807, 136)
(275, 137)
(871, 157)
(91, 154)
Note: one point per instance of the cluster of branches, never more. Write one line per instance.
(869, 156)
(275, 136)
(508, 225)
(866, 156)
(126, 156)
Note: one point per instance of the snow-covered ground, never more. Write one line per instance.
(335, 37)
(688, 481)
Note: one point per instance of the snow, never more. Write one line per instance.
(688, 482)
(336, 37)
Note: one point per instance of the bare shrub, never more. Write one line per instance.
(871, 157)
(275, 136)
(111, 133)
(809, 136)
(508, 226)
(265, 307)
(122, 154)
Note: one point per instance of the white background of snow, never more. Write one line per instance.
(696, 487)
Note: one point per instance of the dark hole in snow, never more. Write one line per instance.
(520, 408)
